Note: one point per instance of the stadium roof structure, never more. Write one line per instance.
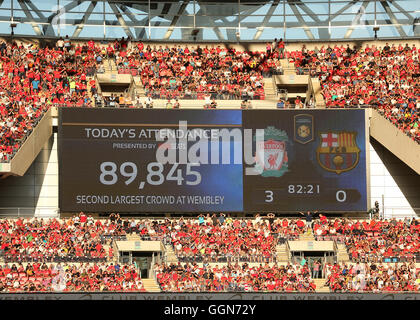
(208, 20)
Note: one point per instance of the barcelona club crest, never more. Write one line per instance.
(304, 128)
(338, 151)
(271, 154)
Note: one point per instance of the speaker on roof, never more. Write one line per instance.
(376, 29)
(194, 33)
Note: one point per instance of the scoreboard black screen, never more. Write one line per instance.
(130, 160)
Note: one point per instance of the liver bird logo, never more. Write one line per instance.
(271, 154)
(272, 158)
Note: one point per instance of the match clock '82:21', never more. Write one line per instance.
(303, 189)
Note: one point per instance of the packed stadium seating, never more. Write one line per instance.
(51, 241)
(195, 72)
(373, 278)
(385, 78)
(211, 238)
(192, 278)
(37, 277)
(375, 240)
(215, 253)
(35, 78)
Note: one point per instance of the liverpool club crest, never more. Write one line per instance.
(338, 151)
(271, 154)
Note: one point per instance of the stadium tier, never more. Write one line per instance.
(210, 253)
(35, 78)
(239, 159)
(386, 78)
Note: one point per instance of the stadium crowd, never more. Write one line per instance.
(371, 277)
(212, 238)
(192, 73)
(374, 240)
(32, 78)
(42, 277)
(54, 240)
(78, 243)
(216, 238)
(234, 277)
(223, 238)
(386, 78)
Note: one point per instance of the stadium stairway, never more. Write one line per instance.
(342, 254)
(150, 285)
(139, 86)
(106, 249)
(320, 285)
(270, 90)
(89, 93)
(288, 68)
(110, 66)
(133, 237)
(315, 87)
(307, 236)
(282, 253)
(170, 255)
(115, 252)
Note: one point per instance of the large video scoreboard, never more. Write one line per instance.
(130, 160)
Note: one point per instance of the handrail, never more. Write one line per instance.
(273, 80)
(343, 294)
(26, 211)
(289, 253)
(98, 87)
(109, 62)
(195, 217)
(152, 264)
(217, 94)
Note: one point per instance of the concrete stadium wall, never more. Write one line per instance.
(395, 140)
(32, 146)
(37, 191)
(300, 245)
(395, 182)
(209, 296)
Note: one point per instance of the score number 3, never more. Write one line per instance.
(268, 196)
